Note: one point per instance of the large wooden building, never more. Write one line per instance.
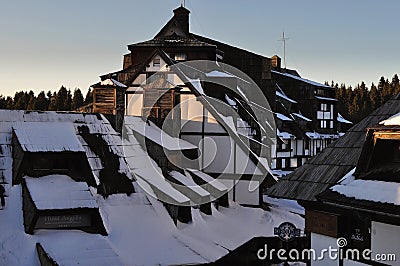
(305, 111)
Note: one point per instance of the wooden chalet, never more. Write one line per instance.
(108, 96)
(308, 130)
(350, 190)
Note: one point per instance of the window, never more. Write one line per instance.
(156, 62)
(180, 56)
(325, 115)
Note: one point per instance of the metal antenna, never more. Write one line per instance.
(284, 47)
(184, 3)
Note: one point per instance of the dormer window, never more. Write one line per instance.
(380, 158)
(180, 57)
(156, 62)
(386, 156)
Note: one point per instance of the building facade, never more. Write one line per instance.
(305, 111)
(350, 193)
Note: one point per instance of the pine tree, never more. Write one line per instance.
(2, 102)
(52, 101)
(68, 101)
(31, 103)
(89, 97)
(77, 100)
(20, 100)
(9, 103)
(374, 97)
(61, 99)
(41, 102)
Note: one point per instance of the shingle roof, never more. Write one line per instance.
(331, 164)
(171, 42)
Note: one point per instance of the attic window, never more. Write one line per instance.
(156, 62)
(385, 160)
(180, 56)
(386, 151)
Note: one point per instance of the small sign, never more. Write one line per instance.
(322, 223)
(63, 221)
(287, 231)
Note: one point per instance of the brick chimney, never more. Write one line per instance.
(276, 62)
(181, 14)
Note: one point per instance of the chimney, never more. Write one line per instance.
(181, 14)
(276, 62)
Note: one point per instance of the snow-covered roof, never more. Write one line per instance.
(279, 92)
(112, 82)
(316, 135)
(391, 121)
(219, 74)
(302, 117)
(77, 248)
(284, 135)
(56, 192)
(209, 180)
(230, 101)
(196, 83)
(341, 119)
(371, 190)
(141, 231)
(325, 98)
(47, 137)
(301, 79)
(189, 183)
(283, 117)
(148, 171)
(154, 133)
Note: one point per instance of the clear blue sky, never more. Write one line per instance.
(47, 43)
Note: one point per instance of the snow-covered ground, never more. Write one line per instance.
(140, 230)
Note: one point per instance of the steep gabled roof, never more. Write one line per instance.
(331, 164)
(176, 25)
(133, 72)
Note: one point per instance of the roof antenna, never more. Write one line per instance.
(284, 47)
(184, 3)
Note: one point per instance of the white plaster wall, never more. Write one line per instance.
(352, 263)
(385, 239)
(135, 104)
(243, 193)
(320, 242)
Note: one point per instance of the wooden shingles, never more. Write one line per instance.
(331, 164)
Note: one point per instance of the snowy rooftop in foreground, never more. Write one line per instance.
(77, 248)
(371, 190)
(59, 192)
(392, 121)
(141, 231)
(47, 137)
